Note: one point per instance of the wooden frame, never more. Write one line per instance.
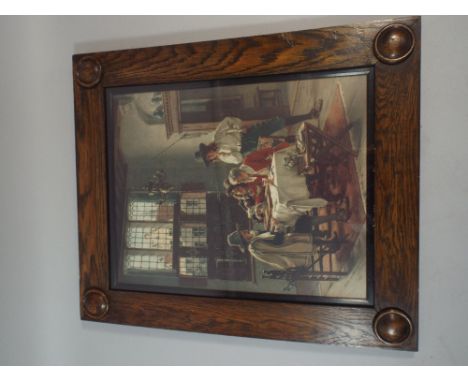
(392, 49)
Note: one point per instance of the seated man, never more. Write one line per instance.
(253, 191)
(255, 165)
(284, 251)
(232, 140)
(257, 212)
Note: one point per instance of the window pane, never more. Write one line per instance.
(148, 210)
(142, 210)
(152, 261)
(193, 236)
(150, 236)
(193, 203)
(193, 266)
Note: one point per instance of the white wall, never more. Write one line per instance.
(39, 301)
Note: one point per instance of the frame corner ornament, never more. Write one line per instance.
(95, 303)
(394, 43)
(88, 72)
(392, 326)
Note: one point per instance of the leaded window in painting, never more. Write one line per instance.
(150, 236)
(193, 203)
(142, 208)
(193, 235)
(151, 261)
(193, 266)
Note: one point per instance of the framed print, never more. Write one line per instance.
(265, 186)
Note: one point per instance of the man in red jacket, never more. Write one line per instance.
(255, 165)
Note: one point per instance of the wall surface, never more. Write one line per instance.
(39, 309)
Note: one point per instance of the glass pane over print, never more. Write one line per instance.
(251, 188)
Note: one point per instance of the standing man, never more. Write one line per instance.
(255, 165)
(232, 140)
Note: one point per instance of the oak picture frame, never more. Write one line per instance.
(391, 48)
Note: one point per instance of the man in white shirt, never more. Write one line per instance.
(281, 251)
(286, 250)
(227, 138)
(232, 140)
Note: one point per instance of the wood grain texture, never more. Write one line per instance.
(293, 52)
(272, 320)
(396, 182)
(92, 191)
(397, 185)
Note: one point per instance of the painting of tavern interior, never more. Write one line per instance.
(254, 189)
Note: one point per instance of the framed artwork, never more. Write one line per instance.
(265, 186)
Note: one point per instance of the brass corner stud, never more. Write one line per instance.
(392, 326)
(394, 43)
(95, 303)
(88, 72)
